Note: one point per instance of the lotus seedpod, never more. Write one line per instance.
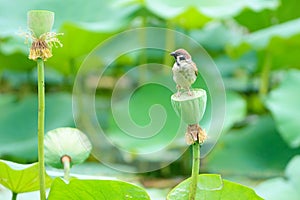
(40, 21)
(62, 142)
(190, 107)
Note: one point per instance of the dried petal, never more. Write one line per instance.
(195, 133)
(39, 49)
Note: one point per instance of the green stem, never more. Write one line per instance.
(264, 86)
(170, 44)
(143, 57)
(41, 127)
(14, 196)
(195, 170)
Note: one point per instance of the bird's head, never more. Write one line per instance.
(181, 54)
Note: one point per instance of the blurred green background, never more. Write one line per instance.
(255, 45)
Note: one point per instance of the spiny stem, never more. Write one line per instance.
(14, 196)
(195, 170)
(41, 126)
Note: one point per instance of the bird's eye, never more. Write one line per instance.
(181, 58)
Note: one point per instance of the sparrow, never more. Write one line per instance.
(184, 70)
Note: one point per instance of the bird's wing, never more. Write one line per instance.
(195, 68)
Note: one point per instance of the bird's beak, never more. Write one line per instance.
(173, 54)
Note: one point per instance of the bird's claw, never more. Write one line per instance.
(178, 90)
(190, 93)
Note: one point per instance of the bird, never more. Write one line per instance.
(184, 70)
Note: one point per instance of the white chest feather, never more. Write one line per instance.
(184, 75)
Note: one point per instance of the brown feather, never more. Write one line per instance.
(184, 52)
(195, 68)
(188, 57)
